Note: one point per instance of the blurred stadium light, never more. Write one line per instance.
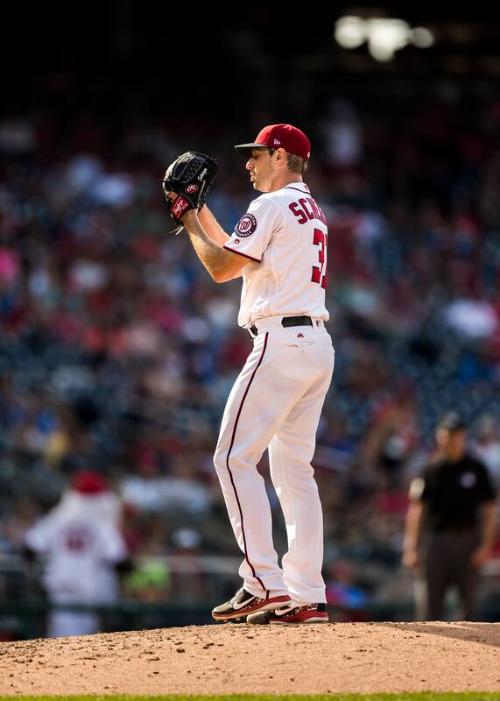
(384, 36)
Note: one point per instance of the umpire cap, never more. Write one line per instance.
(286, 136)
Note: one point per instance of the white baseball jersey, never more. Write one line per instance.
(284, 233)
(82, 546)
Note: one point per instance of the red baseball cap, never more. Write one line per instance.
(89, 482)
(279, 136)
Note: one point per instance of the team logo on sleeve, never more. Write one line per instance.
(246, 225)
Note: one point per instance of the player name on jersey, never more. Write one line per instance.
(306, 209)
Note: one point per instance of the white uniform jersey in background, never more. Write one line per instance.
(82, 545)
(285, 234)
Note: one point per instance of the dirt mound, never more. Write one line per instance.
(224, 659)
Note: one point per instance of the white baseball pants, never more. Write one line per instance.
(276, 403)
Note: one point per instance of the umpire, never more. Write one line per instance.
(452, 505)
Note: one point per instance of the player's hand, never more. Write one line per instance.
(411, 558)
(171, 197)
(480, 556)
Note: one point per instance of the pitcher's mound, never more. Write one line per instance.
(227, 659)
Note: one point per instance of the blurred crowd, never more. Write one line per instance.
(117, 350)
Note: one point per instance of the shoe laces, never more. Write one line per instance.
(240, 594)
(294, 607)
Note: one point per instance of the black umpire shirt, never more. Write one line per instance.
(453, 492)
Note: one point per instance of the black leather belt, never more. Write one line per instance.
(288, 321)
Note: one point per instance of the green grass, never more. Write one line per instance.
(421, 696)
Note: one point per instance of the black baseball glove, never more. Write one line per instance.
(190, 176)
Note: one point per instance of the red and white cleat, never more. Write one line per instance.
(293, 613)
(243, 603)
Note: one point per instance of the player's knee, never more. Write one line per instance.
(232, 460)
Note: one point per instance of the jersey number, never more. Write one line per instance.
(319, 273)
(76, 540)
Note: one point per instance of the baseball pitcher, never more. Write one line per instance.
(279, 249)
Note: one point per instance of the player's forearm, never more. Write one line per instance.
(212, 227)
(208, 252)
(413, 530)
(488, 525)
(213, 257)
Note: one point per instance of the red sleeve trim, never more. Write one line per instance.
(257, 260)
